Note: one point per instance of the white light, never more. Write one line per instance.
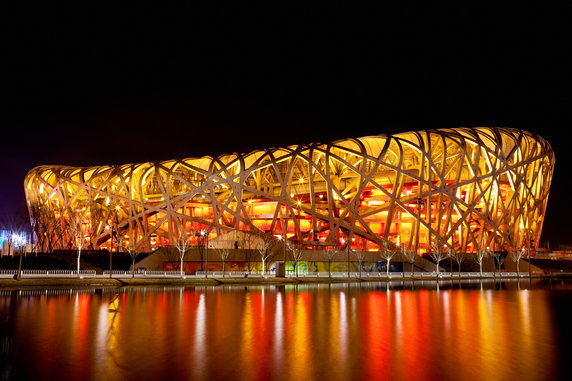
(19, 239)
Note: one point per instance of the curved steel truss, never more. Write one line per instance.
(466, 187)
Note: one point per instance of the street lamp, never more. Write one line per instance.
(204, 233)
(343, 241)
(281, 238)
(110, 228)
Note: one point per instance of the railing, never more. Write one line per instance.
(236, 274)
(408, 274)
(143, 274)
(256, 274)
(48, 273)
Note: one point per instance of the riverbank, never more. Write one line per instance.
(66, 282)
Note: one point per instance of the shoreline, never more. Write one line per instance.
(25, 283)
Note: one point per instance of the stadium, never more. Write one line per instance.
(465, 188)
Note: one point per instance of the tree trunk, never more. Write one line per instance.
(329, 267)
(387, 268)
(481, 267)
(19, 267)
(181, 269)
(223, 268)
(518, 267)
(78, 259)
(133, 268)
(263, 267)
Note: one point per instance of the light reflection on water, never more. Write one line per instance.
(429, 330)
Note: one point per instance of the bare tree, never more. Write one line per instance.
(266, 249)
(332, 251)
(297, 252)
(411, 256)
(102, 211)
(247, 243)
(438, 253)
(457, 257)
(133, 253)
(223, 254)
(183, 245)
(481, 254)
(499, 257)
(516, 255)
(360, 255)
(20, 247)
(197, 235)
(19, 273)
(76, 227)
(387, 250)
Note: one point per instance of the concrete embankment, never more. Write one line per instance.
(123, 282)
(24, 283)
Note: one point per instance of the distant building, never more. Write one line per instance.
(467, 188)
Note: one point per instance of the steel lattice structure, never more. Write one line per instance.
(466, 187)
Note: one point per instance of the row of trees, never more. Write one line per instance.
(265, 243)
(441, 252)
(268, 247)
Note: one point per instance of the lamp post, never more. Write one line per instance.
(204, 233)
(343, 241)
(283, 239)
(110, 228)
(448, 254)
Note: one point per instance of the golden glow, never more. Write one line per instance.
(334, 332)
(460, 189)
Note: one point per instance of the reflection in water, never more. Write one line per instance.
(278, 337)
(200, 339)
(467, 331)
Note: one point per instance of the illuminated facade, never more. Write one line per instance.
(464, 187)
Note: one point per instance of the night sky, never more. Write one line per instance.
(112, 86)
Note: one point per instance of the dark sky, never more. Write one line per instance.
(120, 85)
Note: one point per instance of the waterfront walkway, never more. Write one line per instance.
(70, 278)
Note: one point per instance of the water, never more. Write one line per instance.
(400, 331)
